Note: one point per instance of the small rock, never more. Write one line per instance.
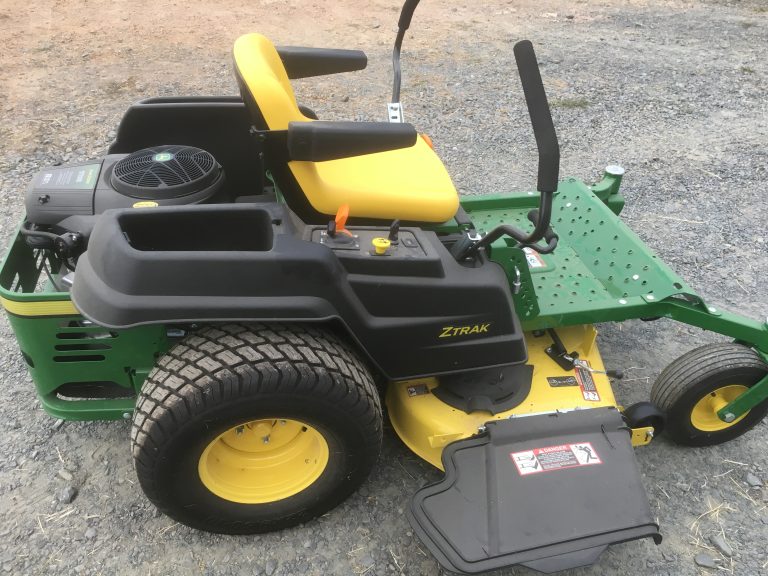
(569, 16)
(56, 425)
(752, 480)
(90, 534)
(270, 568)
(66, 495)
(65, 475)
(307, 543)
(345, 99)
(376, 26)
(705, 561)
(719, 542)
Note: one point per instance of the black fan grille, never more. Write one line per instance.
(185, 166)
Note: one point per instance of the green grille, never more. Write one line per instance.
(81, 371)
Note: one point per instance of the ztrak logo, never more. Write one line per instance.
(451, 331)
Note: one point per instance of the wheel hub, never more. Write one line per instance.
(704, 414)
(263, 461)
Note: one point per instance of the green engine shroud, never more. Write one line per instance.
(81, 371)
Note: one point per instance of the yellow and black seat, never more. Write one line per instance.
(409, 184)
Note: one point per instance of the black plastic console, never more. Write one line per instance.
(415, 311)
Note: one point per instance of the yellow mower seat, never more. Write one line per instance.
(409, 184)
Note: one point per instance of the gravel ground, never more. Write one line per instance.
(672, 90)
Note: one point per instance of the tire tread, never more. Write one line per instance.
(220, 363)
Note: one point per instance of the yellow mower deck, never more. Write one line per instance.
(427, 425)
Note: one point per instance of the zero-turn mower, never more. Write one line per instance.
(245, 282)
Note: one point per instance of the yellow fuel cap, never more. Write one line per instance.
(381, 245)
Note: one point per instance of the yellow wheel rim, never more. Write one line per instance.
(704, 414)
(263, 461)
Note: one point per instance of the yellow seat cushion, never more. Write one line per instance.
(409, 184)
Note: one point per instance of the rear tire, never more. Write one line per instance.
(693, 388)
(246, 429)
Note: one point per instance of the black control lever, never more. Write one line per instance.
(406, 15)
(541, 117)
(394, 232)
(549, 158)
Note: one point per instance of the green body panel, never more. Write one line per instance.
(69, 350)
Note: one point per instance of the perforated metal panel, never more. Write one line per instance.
(599, 263)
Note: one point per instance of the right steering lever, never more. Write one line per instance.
(549, 160)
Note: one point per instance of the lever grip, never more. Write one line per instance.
(406, 14)
(541, 117)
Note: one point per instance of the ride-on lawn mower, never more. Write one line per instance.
(246, 283)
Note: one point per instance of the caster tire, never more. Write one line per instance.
(697, 385)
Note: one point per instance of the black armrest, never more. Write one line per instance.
(301, 62)
(320, 141)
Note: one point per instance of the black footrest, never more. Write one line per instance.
(550, 492)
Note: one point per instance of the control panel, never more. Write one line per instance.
(370, 242)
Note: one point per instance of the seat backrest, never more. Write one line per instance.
(264, 83)
(409, 184)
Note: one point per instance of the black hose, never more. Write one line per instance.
(549, 236)
(24, 231)
(540, 218)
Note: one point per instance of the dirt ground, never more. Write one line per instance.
(673, 90)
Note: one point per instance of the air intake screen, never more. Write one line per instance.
(165, 172)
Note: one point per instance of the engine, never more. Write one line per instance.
(62, 201)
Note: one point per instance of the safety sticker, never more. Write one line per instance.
(555, 458)
(534, 258)
(557, 381)
(587, 384)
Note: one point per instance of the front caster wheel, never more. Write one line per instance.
(697, 385)
(246, 429)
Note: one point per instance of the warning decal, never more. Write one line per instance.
(587, 384)
(557, 381)
(534, 258)
(555, 458)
